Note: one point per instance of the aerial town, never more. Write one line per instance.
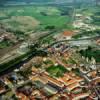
(50, 50)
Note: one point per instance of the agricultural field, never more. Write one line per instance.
(21, 21)
(29, 17)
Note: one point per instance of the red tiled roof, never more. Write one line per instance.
(72, 86)
(68, 33)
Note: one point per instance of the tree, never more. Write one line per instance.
(50, 27)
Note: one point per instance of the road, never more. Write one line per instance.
(10, 53)
(38, 37)
(26, 60)
(92, 38)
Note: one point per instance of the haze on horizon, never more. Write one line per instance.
(41, 1)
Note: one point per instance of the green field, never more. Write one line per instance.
(21, 17)
(56, 71)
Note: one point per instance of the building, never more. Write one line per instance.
(80, 96)
(73, 86)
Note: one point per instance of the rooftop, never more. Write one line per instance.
(68, 33)
(80, 96)
(73, 86)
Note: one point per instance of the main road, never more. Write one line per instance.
(72, 40)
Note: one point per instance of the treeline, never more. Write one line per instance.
(90, 52)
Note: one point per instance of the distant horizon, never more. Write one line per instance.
(40, 1)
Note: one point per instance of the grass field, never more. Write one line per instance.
(56, 71)
(37, 17)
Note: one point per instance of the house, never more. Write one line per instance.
(50, 89)
(22, 96)
(73, 86)
(52, 80)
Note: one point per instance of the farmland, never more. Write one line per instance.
(28, 19)
(38, 17)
